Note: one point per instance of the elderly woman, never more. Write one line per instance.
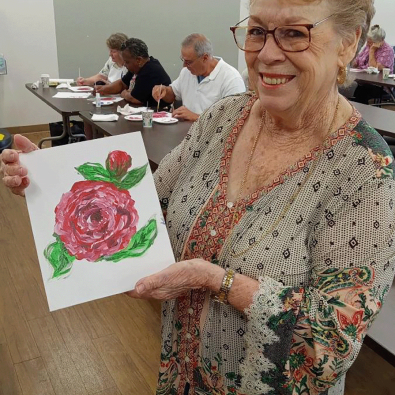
(280, 212)
(377, 53)
(113, 69)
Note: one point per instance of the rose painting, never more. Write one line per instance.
(97, 219)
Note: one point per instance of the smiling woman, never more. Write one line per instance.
(280, 212)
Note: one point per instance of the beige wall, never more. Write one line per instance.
(28, 42)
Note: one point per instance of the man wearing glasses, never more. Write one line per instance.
(204, 79)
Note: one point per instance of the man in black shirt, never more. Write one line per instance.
(144, 73)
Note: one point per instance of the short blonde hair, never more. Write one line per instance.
(116, 40)
(350, 15)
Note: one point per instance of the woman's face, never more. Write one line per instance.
(376, 44)
(116, 56)
(131, 63)
(289, 80)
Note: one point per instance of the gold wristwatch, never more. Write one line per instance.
(227, 281)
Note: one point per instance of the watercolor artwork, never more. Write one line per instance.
(96, 218)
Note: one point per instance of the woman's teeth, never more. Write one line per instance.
(275, 81)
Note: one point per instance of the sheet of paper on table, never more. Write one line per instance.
(61, 80)
(97, 222)
(358, 70)
(71, 95)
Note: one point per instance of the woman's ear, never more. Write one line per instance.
(348, 48)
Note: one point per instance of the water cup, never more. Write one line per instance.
(45, 80)
(147, 118)
(386, 74)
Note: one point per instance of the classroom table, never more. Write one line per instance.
(163, 138)
(65, 107)
(381, 119)
(375, 79)
(158, 140)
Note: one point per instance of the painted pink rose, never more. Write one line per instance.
(118, 163)
(95, 219)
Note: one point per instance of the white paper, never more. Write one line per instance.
(358, 70)
(71, 95)
(105, 117)
(53, 174)
(61, 80)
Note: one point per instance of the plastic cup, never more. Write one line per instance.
(148, 115)
(45, 80)
(386, 74)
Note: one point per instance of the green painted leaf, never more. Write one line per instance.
(132, 178)
(59, 258)
(94, 172)
(140, 243)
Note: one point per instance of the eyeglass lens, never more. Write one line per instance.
(289, 38)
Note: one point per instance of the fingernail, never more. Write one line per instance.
(140, 288)
(21, 171)
(12, 157)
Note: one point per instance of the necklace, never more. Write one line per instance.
(246, 171)
(291, 199)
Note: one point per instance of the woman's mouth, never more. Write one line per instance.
(275, 79)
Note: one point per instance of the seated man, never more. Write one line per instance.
(144, 72)
(204, 79)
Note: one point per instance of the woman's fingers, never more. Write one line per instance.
(15, 176)
(9, 156)
(24, 144)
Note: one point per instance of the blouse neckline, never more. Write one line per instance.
(330, 141)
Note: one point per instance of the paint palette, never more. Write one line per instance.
(165, 120)
(134, 117)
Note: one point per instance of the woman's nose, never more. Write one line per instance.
(271, 52)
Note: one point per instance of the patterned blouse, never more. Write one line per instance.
(319, 239)
(384, 56)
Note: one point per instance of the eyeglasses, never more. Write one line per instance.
(189, 62)
(290, 38)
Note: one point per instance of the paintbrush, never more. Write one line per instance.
(160, 92)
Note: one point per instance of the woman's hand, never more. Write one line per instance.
(125, 94)
(178, 279)
(375, 46)
(14, 175)
(80, 81)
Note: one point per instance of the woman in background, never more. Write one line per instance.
(113, 69)
(377, 53)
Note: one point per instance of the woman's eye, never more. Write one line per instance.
(253, 31)
(293, 33)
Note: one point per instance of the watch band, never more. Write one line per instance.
(227, 281)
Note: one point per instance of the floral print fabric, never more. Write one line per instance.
(323, 270)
